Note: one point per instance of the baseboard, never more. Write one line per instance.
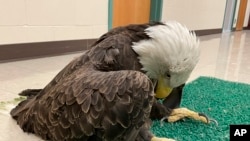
(246, 28)
(208, 31)
(12, 52)
(21, 51)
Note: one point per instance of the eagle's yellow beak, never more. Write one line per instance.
(162, 90)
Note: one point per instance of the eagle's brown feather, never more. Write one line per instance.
(107, 93)
(100, 95)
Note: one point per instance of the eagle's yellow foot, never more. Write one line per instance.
(161, 139)
(181, 113)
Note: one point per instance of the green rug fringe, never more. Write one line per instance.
(227, 102)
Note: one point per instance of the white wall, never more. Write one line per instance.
(49, 20)
(195, 14)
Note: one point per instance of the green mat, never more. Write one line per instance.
(227, 102)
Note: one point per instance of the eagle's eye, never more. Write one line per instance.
(167, 75)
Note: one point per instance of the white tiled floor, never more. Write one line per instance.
(223, 56)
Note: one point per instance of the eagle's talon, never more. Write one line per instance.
(205, 116)
(162, 120)
(213, 121)
(209, 120)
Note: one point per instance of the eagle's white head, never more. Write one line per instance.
(170, 54)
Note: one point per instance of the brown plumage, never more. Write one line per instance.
(107, 93)
(99, 95)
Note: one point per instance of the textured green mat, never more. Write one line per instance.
(227, 102)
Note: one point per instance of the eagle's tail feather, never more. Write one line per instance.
(21, 113)
(25, 104)
(19, 109)
(30, 92)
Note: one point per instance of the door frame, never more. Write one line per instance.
(229, 15)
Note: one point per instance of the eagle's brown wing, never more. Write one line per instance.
(90, 103)
(101, 93)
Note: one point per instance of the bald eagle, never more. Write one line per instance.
(110, 92)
